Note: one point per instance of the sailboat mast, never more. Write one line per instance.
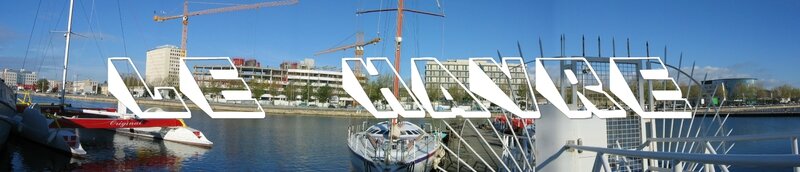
(66, 53)
(398, 39)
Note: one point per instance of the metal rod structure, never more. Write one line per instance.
(487, 144)
(599, 48)
(628, 44)
(772, 160)
(467, 144)
(508, 120)
(583, 46)
(613, 47)
(504, 143)
(459, 159)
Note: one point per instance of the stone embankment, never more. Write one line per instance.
(277, 110)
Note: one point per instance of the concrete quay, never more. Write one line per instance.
(270, 110)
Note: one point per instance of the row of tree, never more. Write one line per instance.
(292, 90)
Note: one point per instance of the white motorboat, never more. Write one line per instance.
(400, 147)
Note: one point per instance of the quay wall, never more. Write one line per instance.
(270, 110)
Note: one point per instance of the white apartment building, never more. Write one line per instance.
(19, 78)
(162, 65)
(84, 87)
(435, 76)
(54, 84)
(10, 77)
(301, 76)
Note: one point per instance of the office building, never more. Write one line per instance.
(162, 67)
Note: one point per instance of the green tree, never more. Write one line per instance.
(211, 90)
(784, 91)
(42, 85)
(324, 93)
(434, 93)
(131, 81)
(257, 88)
(307, 91)
(290, 90)
(457, 94)
(373, 87)
(272, 88)
(522, 92)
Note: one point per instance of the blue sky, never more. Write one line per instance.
(725, 38)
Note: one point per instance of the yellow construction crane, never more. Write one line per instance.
(186, 14)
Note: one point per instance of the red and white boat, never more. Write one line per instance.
(56, 126)
(173, 130)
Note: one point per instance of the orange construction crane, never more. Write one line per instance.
(359, 52)
(186, 14)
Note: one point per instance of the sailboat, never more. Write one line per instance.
(35, 125)
(406, 147)
(395, 145)
(120, 120)
(56, 126)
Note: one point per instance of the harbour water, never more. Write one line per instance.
(276, 143)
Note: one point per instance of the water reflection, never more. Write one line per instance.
(20, 151)
(277, 142)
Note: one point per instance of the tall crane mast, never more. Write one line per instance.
(186, 14)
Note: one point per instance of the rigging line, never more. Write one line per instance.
(340, 43)
(385, 28)
(43, 40)
(94, 34)
(213, 3)
(441, 10)
(358, 26)
(255, 32)
(122, 28)
(95, 19)
(30, 36)
(416, 30)
(49, 38)
(378, 26)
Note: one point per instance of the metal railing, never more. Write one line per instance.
(688, 161)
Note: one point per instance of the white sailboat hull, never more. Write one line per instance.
(34, 126)
(412, 149)
(183, 135)
(361, 164)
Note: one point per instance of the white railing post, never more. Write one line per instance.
(677, 166)
(606, 166)
(795, 151)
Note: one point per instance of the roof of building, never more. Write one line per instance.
(729, 79)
